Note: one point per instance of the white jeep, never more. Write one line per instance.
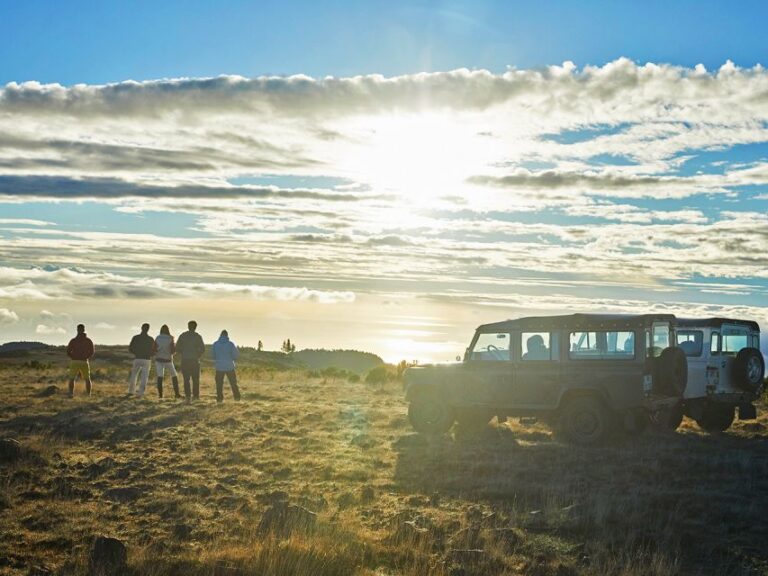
(725, 372)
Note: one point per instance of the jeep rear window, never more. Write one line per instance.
(657, 339)
(691, 342)
(602, 345)
(734, 340)
(491, 347)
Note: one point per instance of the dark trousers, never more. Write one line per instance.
(232, 377)
(190, 370)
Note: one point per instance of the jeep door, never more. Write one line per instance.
(537, 370)
(488, 370)
(608, 362)
(695, 344)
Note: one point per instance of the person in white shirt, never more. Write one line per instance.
(165, 347)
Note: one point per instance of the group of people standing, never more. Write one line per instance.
(190, 347)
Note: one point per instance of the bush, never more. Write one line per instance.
(379, 375)
(37, 365)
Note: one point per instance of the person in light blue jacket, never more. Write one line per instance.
(224, 354)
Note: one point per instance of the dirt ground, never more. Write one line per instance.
(318, 477)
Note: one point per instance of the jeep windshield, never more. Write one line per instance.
(491, 346)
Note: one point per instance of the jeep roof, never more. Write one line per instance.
(577, 321)
(716, 323)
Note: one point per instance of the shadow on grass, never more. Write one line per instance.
(696, 498)
(113, 419)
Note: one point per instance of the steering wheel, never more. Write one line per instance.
(497, 354)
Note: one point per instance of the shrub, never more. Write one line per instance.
(379, 375)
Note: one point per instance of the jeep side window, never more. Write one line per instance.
(756, 341)
(491, 347)
(714, 345)
(602, 345)
(691, 342)
(539, 346)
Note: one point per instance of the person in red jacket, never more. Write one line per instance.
(80, 350)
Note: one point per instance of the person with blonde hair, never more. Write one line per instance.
(164, 349)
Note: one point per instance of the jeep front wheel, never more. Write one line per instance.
(716, 418)
(584, 420)
(472, 422)
(430, 415)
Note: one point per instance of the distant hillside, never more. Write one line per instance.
(352, 360)
(10, 346)
(20, 349)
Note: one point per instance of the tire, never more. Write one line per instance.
(749, 370)
(472, 422)
(585, 420)
(430, 415)
(636, 422)
(667, 419)
(673, 372)
(716, 418)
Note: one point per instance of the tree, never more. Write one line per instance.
(288, 347)
(403, 366)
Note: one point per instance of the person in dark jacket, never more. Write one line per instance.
(80, 350)
(224, 354)
(191, 347)
(141, 347)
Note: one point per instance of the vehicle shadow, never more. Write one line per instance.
(697, 498)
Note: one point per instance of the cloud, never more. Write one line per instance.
(66, 283)
(8, 316)
(608, 180)
(23, 222)
(49, 330)
(104, 326)
(27, 187)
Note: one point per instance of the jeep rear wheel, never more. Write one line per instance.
(584, 420)
(749, 369)
(430, 415)
(716, 418)
(667, 419)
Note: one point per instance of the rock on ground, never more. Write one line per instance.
(108, 557)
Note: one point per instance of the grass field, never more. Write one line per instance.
(314, 476)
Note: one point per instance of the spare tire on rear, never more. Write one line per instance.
(749, 370)
(673, 372)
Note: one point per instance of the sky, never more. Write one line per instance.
(383, 176)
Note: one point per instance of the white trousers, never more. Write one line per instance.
(140, 369)
(161, 367)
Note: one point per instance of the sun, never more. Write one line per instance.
(419, 157)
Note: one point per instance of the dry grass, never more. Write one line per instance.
(187, 488)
